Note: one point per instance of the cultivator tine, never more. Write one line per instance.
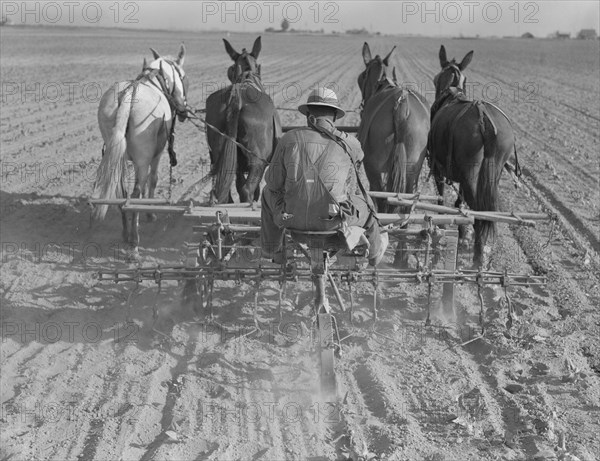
(428, 241)
(209, 297)
(158, 280)
(429, 286)
(255, 311)
(280, 303)
(375, 287)
(282, 279)
(480, 283)
(336, 292)
(129, 300)
(510, 311)
(351, 312)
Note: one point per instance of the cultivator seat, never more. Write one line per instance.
(319, 247)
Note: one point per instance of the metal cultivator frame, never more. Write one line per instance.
(227, 228)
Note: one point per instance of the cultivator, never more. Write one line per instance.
(226, 252)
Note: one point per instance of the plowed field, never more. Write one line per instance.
(80, 382)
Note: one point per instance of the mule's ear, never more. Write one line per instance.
(443, 59)
(144, 64)
(181, 55)
(394, 77)
(256, 48)
(366, 54)
(155, 53)
(466, 60)
(386, 59)
(230, 51)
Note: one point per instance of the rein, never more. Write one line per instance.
(250, 78)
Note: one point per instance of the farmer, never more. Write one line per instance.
(316, 182)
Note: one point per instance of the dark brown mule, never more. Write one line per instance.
(246, 114)
(469, 143)
(393, 129)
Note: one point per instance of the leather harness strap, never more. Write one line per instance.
(451, 140)
(343, 145)
(148, 73)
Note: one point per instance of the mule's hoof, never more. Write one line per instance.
(151, 217)
(464, 243)
(132, 255)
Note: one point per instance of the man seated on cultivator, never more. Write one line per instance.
(316, 182)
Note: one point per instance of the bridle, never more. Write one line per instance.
(250, 74)
(169, 91)
(382, 79)
(458, 78)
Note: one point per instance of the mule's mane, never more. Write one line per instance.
(173, 62)
(383, 81)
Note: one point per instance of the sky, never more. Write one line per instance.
(429, 18)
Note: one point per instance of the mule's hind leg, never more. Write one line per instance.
(141, 178)
(126, 230)
(152, 181)
(465, 232)
(440, 186)
(251, 189)
(240, 186)
(376, 184)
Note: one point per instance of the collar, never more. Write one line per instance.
(323, 123)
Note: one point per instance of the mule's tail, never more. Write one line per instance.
(224, 170)
(111, 178)
(486, 197)
(396, 180)
(277, 131)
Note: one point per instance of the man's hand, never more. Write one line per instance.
(280, 218)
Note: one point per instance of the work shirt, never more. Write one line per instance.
(297, 190)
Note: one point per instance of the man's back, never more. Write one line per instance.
(316, 181)
(309, 171)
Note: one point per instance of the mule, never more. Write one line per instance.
(245, 113)
(469, 143)
(135, 119)
(393, 129)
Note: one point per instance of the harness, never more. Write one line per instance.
(338, 140)
(385, 85)
(379, 98)
(452, 96)
(162, 86)
(248, 78)
(149, 74)
(174, 110)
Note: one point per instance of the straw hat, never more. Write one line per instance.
(323, 97)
